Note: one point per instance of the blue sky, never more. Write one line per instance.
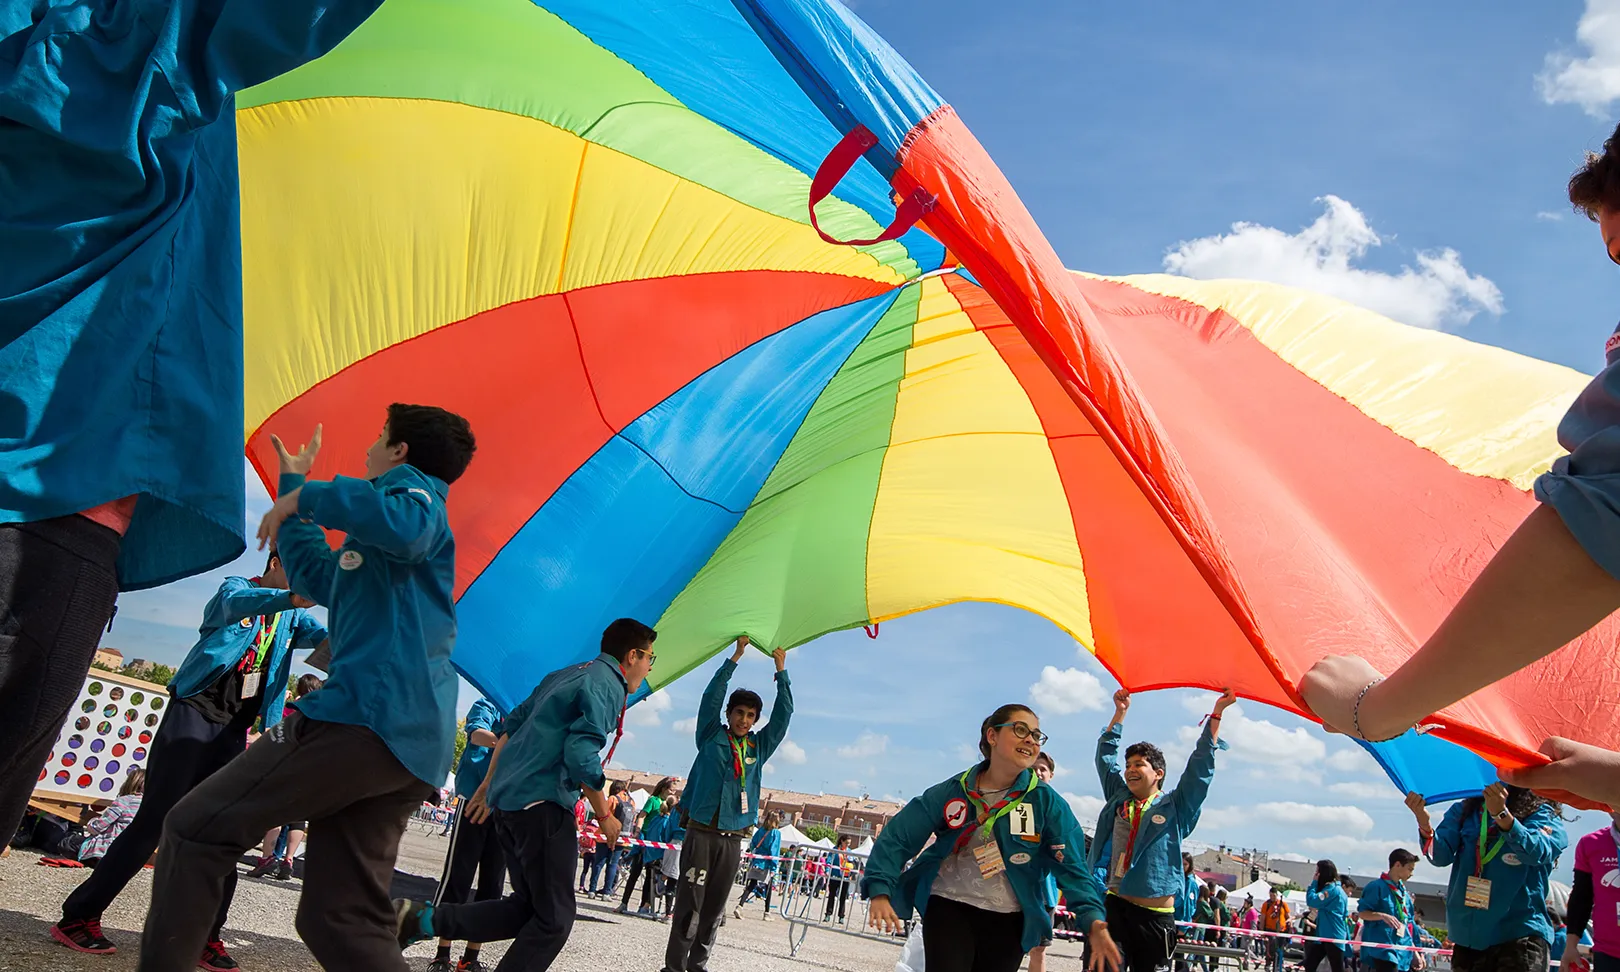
(1410, 157)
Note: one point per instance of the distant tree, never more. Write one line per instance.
(819, 832)
(461, 741)
(104, 668)
(1288, 886)
(158, 674)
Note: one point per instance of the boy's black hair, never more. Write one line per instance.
(1050, 762)
(1595, 186)
(272, 559)
(746, 698)
(1401, 855)
(440, 443)
(306, 684)
(1149, 752)
(624, 636)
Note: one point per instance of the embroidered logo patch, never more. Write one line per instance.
(350, 560)
(1019, 858)
(1611, 879)
(247, 622)
(1158, 818)
(956, 812)
(1512, 859)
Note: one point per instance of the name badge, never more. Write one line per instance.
(1478, 894)
(989, 858)
(742, 801)
(1022, 821)
(1120, 864)
(250, 684)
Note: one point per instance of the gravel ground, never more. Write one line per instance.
(260, 930)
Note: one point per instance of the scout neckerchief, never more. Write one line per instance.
(1400, 897)
(1483, 857)
(618, 733)
(263, 641)
(987, 813)
(1133, 811)
(740, 749)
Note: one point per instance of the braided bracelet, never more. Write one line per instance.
(1355, 713)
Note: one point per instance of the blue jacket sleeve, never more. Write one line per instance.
(1193, 786)
(587, 734)
(1073, 874)
(900, 841)
(1541, 840)
(1448, 837)
(240, 598)
(402, 522)
(310, 563)
(224, 46)
(781, 714)
(308, 633)
(1108, 772)
(479, 717)
(710, 717)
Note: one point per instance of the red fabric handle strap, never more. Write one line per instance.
(837, 164)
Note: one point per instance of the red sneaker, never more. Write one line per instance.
(216, 959)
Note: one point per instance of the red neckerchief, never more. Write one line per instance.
(738, 748)
(1134, 811)
(618, 733)
(984, 810)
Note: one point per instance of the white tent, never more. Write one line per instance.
(638, 798)
(792, 837)
(865, 850)
(823, 844)
(1260, 889)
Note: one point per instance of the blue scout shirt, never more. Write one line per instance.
(1387, 897)
(1584, 486)
(231, 626)
(554, 738)
(712, 796)
(475, 759)
(662, 828)
(1155, 869)
(121, 264)
(942, 811)
(766, 846)
(388, 594)
(1518, 874)
(1332, 910)
(1187, 897)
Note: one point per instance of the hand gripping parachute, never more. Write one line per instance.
(587, 227)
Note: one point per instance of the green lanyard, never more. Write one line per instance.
(1482, 857)
(1006, 807)
(265, 637)
(739, 750)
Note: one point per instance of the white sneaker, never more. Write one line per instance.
(737, 912)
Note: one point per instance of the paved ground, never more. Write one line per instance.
(261, 936)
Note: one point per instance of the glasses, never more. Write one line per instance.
(651, 658)
(1024, 732)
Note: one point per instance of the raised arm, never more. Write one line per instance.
(240, 598)
(781, 710)
(308, 633)
(405, 522)
(1445, 841)
(1108, 771)
(1193, 787)
(711, 715)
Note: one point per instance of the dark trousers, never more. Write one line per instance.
(760, 886)
(1604, 963)
(1527, 954)
(542, 849)
(475, 850)
(1146, 938)
(961, 938)
(709, 862)
(1315, 952)
(838, 890)
(186, 750)
(637, 867)
(356, 796)
(58, 583)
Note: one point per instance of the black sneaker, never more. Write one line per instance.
(440, 965)
(283, 870)
(413, 921)
(216, 959)
(83, 936)
(265, 866)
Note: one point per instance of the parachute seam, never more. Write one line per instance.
(568, 231)
(888, 447)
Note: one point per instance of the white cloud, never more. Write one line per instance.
(1059, 772)
(1368, 855)
(1085, 806)
(1439, 292)
(1293, 755)
(1354, 759)
(1067, 691)
(791, 752)
(770, 769)
(890, 798)
(647, 711)
(684, 725)
(852, 786)
(967, 753)
(1591, 80)
(1547, 215)
(1358, 790)
(868, 743)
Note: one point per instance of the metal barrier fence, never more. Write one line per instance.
(430, 819)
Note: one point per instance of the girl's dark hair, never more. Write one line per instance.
(1520, 802)
(773, 819)
(1595, 186)
(996, 718)
(1327, 873)
(845, 840)
(663, 787)
(134, 782)
(306, 684)
(619, 786)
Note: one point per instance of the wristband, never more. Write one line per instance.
(1355, 713)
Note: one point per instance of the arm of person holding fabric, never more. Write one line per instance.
(239, 598)
(710, 717)
(479, 725)
(1193, 787)
(1108, 771)
(1440, 846)
(781, 710)
(1060, 834)
(899, 842)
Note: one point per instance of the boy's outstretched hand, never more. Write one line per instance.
(742, 646)
(301, 464)
(780, 656)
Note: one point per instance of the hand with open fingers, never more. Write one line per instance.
(1586, 771)
(1496, 798)
(1332, 688)
(1420, 810)
(780, 657)
(882, 917)
(270, 526)
(1122, 700)
(742, 646)
(1104, 953)
(304, 461)
(1225, 701)
(477, 810)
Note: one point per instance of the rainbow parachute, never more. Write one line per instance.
(585, 227)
